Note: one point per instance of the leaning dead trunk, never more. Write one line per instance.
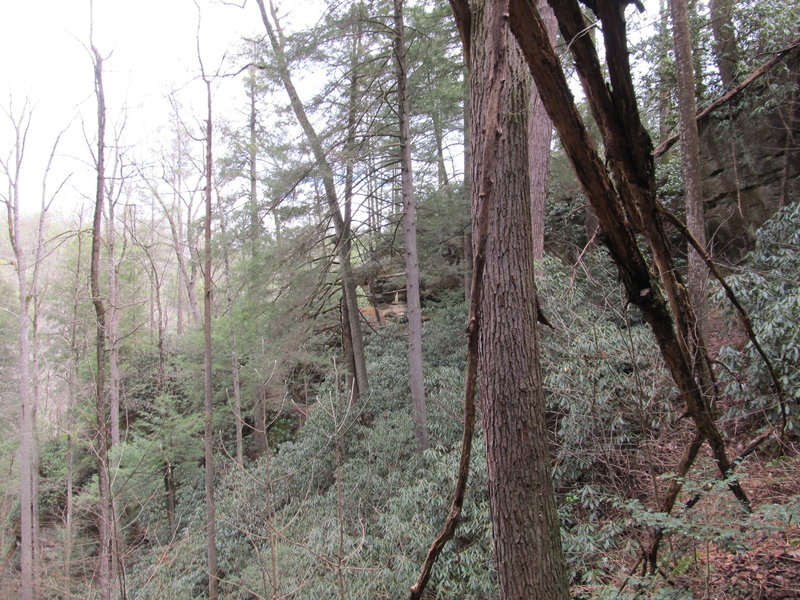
(624, 200)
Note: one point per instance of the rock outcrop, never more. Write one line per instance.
(751, 156)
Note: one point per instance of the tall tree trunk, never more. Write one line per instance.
(151, 280)
(665, 93)
(30, 300)
(35, 299)
(414, 308)
(113, 325)
(208, 433)
(26, 463)
(180, 318)
(540, 131)
(341, 225)
(690, 161)
(75, 358)
(36, 302)
(624, 200)
(438, 137)
(169, 490)
(349, 344)
(26, 411)
(468, 258)
(525, 525)
(237, 393)
(726, 48)
(104, 513)
(255, 223)
(350, 383)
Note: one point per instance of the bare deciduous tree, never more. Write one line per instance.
(105, 511)
(12, 167)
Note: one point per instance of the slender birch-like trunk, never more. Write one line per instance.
(104, 512)
(208, 433)
(26, 408)
(414, 308)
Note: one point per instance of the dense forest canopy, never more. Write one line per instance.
(409, 299)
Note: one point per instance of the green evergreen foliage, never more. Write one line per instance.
(764, 27)
(768, 286)
(599, 363)
(607, 399)
(443, 223)
(392, 499)
(53, 470)
(168, 436)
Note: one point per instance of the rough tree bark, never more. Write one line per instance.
(414, 309)
(525, 524)
(624, 199)
(468, 236)
(540, 131)
(690, 163)
(726, 47)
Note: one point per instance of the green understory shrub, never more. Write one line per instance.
(768, 287)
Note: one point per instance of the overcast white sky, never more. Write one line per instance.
(150, 47)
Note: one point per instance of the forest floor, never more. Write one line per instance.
(758, 557)
(764, 563)
(722, 553)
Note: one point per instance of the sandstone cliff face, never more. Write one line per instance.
(751, 161)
